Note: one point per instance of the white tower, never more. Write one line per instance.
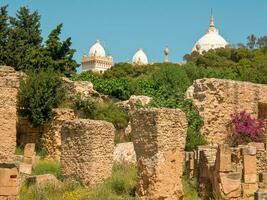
(166, 55)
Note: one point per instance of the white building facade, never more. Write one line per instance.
(97, 61)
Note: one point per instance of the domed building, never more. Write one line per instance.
(140, 58)
(211, 40)
(97, 61)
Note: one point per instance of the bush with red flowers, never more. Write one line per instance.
(244, 129)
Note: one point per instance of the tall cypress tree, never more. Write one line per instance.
(4, 34)
(25, 38)
(61, 52)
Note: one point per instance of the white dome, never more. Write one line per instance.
(97, 50)
(211, 40)
(140, 58)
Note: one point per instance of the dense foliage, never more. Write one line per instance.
(108, 111)
(244, 129)
(38, 94)
(21, 44)
(167, 83)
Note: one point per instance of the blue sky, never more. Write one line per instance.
(122, 26)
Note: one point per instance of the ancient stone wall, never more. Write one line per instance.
(159, 141)
(87, 150)
(217, 99)
(51, 137)
(26, 133)
(9, 83)
(229, 173)
(9, 182)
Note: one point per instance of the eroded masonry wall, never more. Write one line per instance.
(217, 99)
(159, 139)
(9, 84)
(51, 137)
(87, 150)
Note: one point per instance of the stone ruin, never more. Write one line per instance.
(159, 142)
(9, 182)
(29, 159)
(229, 173)
(217, 99)
(51, 137)
(9, 83)
(87, 150)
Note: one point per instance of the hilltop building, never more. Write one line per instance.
(140, 58)
(97, 61)
(211, 40)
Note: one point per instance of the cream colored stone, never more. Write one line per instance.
(9, 83)
(87, 150)
(159, 141)
(42, 180)
(217, 99)
(9, 180)
(124, 153)
(250, 168)
(51, 137)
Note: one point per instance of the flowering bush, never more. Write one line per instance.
(244, 129)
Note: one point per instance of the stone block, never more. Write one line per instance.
(249, 189)
(29, 160)
(230, 184)
(159, 139)
(41, 180)
(9, 180)
(263, 177)
(223, 159)
(260, 146)
(249, 168)
(29, 150)
(87, 150)
(260, 195)
(25, 168)
(249, 150)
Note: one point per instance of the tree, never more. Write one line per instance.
(25, 37)
(252, 40)
(4, 34)
(262, 41)
(60, 53)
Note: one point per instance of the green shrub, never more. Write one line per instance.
(38, 95)
(108, 111)
(47, 167)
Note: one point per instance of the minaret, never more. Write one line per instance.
(166, 55)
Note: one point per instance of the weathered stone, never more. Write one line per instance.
(223, 159)
(159, 141)
(260, 146)
(134, 102)
(217, 99)
(9, 181)
(83, 88)
(249, 168)
(29, 154)
(25, 168)
(124, 153)
(260, 195)
(249, 189)
(87, 150)
(9, 83)
(231, 184)
(41, 180)
(51, 137)
(249, 150)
